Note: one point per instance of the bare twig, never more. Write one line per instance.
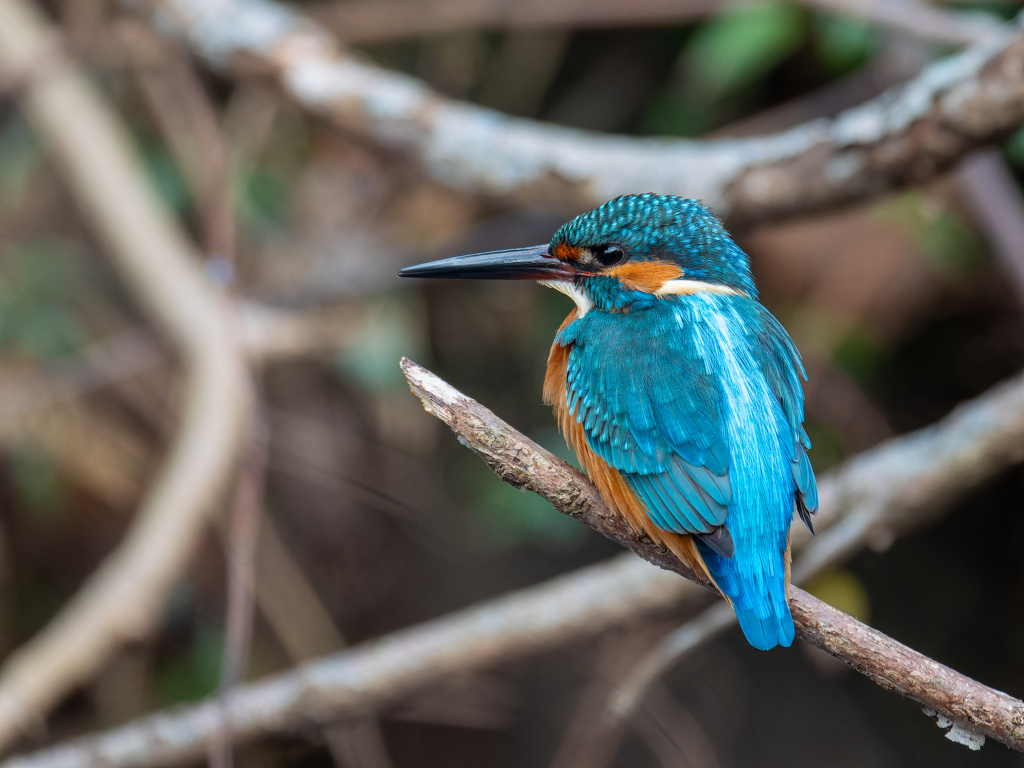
(306, 630)
(908, 135)
(875, 496)
(674, 734)
(602, 715)
(124, 598)
(268, 335)
(522, 463)
(288, 601)
(112, 359)
(374, 21)
(242, 539)
(371, 21)
(996, 201)
(285, 596)
(917, 18)
(693, 634)
(190, 125)
(976, 710)
(911, 478)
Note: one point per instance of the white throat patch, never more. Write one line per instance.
(583, 302)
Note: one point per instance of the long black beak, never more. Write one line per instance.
(533, 263)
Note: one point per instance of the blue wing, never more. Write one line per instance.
(782, 369)
(652, 412)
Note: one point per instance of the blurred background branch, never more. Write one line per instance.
(996, 201)
(121, 602)
(357, 681)
(373, 21)
(909, 136)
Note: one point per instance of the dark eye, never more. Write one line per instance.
(608, 255)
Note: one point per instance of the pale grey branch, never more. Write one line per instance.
(350, 684)
(909, 134)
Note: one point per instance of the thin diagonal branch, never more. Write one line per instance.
(241, 544)
(892, 665)
(913, 675)
(905, 136)
(995, 199)
(268, 334)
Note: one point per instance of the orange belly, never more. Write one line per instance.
(608, 480)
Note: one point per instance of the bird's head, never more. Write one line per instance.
(624, 254)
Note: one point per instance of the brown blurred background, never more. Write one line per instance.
(903, 307)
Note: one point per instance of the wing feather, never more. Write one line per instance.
(782, 369)
(653, 414)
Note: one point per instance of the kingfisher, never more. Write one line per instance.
(679, 392)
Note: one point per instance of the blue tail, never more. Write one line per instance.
(768, 632)
(758, 594)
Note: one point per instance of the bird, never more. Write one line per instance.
(680, 393)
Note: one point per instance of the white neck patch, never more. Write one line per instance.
(583, 302)
(690, 287)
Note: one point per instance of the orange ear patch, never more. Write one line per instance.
(646, 276)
